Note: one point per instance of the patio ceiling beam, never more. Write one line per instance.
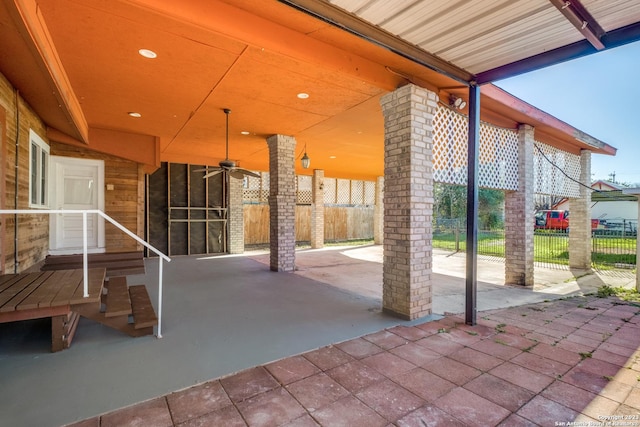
(578, 15)
(333, 15)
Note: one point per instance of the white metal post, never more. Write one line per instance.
(159, 334)
(85, 263)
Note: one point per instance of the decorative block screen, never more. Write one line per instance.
(555, 172)
(498, 162)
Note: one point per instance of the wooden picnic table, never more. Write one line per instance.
(54, 294)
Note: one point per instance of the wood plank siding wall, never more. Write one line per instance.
(33, 230)
(125, 203)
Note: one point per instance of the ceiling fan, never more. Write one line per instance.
(227, 165)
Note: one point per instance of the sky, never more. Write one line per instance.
(598, 94)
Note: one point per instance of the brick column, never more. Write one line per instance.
(236, 216)
(282, 203)
(317, 209)
(580, 218)
(378, 213)
(408, 201)
(519, 209)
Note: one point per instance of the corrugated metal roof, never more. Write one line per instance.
(481, 35)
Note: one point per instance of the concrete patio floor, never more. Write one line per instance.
(227, 314)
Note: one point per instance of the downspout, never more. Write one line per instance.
(15, 206)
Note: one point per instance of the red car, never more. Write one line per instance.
(559, 220)
(552, 219)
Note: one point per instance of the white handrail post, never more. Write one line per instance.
(159, 334)
(85, 260)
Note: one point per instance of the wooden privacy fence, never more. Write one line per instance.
(341, 223)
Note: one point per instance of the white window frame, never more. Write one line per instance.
(38, 171)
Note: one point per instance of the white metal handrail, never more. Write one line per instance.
(85, 245)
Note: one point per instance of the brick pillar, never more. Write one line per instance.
(236, 216)
(408, 201)
(378, 213)
(317, 209)
(580, 218)
(519, 209)
(282, 203)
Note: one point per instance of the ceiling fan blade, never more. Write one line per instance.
(235, 173)
(212, 173)
(248, 172)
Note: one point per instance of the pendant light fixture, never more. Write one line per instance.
(305, 161)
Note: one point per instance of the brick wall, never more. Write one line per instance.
(408, 201)
(236, 217)
(317, 210)
(580, 219)
(282, 202)
(378, 214)
(518, 226)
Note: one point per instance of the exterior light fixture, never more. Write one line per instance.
(457, 102)
(305, 161)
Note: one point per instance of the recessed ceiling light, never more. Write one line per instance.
(245, 132)
(148, 53)
(332, 157)
(303, 95)
(134, 114)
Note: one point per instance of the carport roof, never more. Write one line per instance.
(77, 64)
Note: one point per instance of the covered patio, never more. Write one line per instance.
(344, 79)
(229, 313)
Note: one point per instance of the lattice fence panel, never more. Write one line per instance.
(357, 192)
(369, 193)
(450, 135)
(266, 183)
(343, 192)
(252, 189)
(305, 188)
(256, 190)
(550, 179)
(498, 162)
(336, 191)
(329, 191)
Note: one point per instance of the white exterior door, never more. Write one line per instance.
(76, 184)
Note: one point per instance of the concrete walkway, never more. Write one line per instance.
(226, 314)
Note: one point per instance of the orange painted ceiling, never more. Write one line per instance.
(77, 63)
